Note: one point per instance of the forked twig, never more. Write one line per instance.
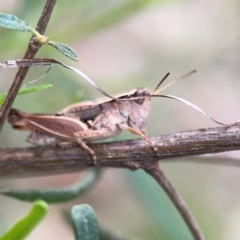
(134, 154)
(30, 53)
(156, 172)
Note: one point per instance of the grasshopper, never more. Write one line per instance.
(87, 121)
(95, 120)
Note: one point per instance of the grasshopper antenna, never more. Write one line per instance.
(195, 107)
(160, 83)
(36, 62)
(155, 92)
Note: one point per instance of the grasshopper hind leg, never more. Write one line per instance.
(88, 149)
(43, 139)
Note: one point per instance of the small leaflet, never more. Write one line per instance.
(13, 22)
(64, 49)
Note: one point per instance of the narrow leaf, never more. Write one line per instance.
(104, 233)
(85, 223)
(25, 225)
(27, 90)
(13, 22)
(64, 49)
(56, 195)
(34, 89)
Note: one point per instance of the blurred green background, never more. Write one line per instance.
(124, 44)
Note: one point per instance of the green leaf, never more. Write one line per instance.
(27, 90)
(64, 49)
(25, 225)
(34, 89)
(13, 22)
(85, 223)
(105, 233)
(56, 195)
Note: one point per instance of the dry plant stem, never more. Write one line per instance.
(40, 161)
(155, 171)
(30, 53)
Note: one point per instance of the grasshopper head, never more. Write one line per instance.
(141, 92)
(140, 109)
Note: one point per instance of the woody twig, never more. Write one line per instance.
(40, 161)
(30, 53)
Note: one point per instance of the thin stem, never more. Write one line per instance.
(22, 71)
(155, 171)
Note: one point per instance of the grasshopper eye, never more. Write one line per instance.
(141, 93)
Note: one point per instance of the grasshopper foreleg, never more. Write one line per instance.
(139, 133)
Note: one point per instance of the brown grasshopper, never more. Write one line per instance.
(94, 120)
(87, 121)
